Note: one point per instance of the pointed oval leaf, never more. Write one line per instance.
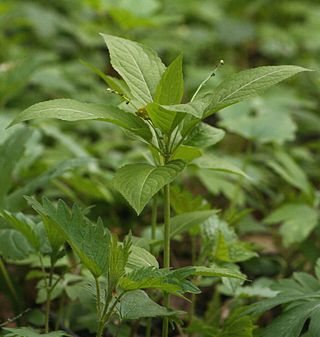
(248, 83)
(138, 65)
(138, 183)
(72, 110)
(170, 88)
(164, 119)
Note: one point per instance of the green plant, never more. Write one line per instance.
(150, 109)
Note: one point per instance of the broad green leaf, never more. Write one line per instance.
(298, 220)
(289, 170)
(28, 332)
(10, 152)
(266, 126)
(248, 83)
(91, 242)
(209, 162)
(218, 272)
(14, 201)
(185, 221)
(138, 183)
(170, 88)
(163, 118)
(23, 225)
(170, 281)
(147, 278)
(72, 110)
(187, 153)
(204, 135)
(291, 322)
(138, 65)
(13, 245)
(137, 304)
(140, 258)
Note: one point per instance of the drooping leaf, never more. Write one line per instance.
(10, 152)
(298, 220)
(13, 245)
(204, 135)
(185, 221)
(248, 83)
(138, 65)
(170, 281)
(28, 332)
(23, 225)
(72, 110)
(14, 201)
(284, 165)
(138, 183)
(170, 88)
(137, 304)
(208, 162)
(218, 272)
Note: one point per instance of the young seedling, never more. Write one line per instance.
(152, 111)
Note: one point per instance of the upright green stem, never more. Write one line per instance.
(166, 256)
(98, 298)
(49, 289)
(7, 279)
(154, 215)
(193, 296)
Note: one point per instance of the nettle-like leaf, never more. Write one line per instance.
(170, 281)
(91, 242)
(28, 332)
(298, 220)
(138, 65)
(248, 83)
(137, 304)
(301, 298)
(72, 110)
(215, 271)
(138, 183)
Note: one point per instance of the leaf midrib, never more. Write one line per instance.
(255, 80)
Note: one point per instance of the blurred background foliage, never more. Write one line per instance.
(274, 138)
